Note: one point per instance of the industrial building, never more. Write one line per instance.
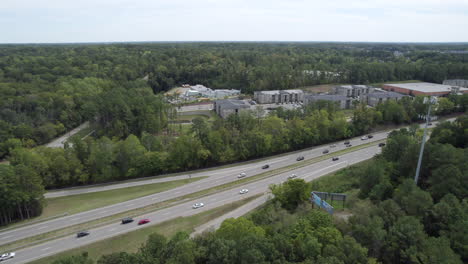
(342, 101)
(226, 107)
(279, 96)
(424, 89)
(352, 90)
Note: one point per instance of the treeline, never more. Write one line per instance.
(395, 221)
(239, 137)
(21, 193)
(49, 89)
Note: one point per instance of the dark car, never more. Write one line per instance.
(370, 136)
(82, 234)
(325, 151)
(335, 158)
(143, 221)
(127, 220)
(349, 145)
(300, 158)
(265, 166)
(346, 142)
(430, 124)
(381, 144)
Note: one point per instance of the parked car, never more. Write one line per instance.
(198, 205)
(127, 220)
(325, 151)
(335, 158)
(332, 146)
(370, 136)
(265, 166)
(346, 142)
(242, 175)
(292, 176)
(430, 124)
(144, 221)
(381, 144)
(244, 191)
(82, 234)
(300, 158)
(364, 138)
(7, 256)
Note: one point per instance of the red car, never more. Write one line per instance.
(143, 221)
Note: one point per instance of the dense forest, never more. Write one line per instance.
(49, 89)
(393, 220)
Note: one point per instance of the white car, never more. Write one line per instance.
(292, 176)
(364, 138)
(244, 191)
(7, 256)
(198, 205)
(332, 146)
(242, 175)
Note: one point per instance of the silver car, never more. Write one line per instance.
(244, 191)
(242, 175)
(7, 256)
(198, 205)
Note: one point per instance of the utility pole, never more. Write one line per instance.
(431, 101)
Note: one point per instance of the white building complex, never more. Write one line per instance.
(279, 96)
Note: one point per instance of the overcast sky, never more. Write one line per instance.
(57, 21)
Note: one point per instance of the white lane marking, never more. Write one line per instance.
(47, 248)
(42, 227)
(5, 237)
(74, 219)
(103, 212)
(177, 192)
(166, 213)
(128, 205)
(111, 229)
(155, 198)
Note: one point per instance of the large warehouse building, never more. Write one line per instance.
(423, 88)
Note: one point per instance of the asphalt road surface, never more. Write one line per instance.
(58, 142)
(217, 177)
(308, 173)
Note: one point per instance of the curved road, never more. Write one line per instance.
(308, 173)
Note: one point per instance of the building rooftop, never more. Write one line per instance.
(425, 87)
(328, 97)
(280, 91)
(385, 95)
(232, 104)
(352, 86)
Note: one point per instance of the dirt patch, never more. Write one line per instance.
(344, 215)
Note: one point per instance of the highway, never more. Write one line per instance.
(164, 178)
(217, 177)
(308, 173)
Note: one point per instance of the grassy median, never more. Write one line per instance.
(132, 241)
(83, 202)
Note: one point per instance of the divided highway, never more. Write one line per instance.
(308, 173)
(217, 177)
